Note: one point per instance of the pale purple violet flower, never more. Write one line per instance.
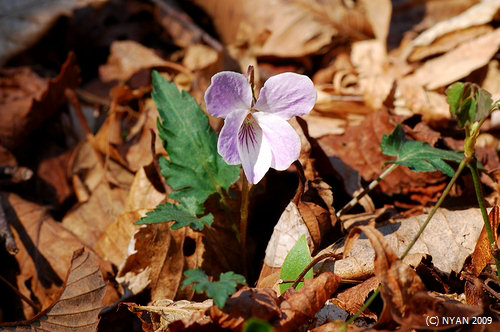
(259, 136)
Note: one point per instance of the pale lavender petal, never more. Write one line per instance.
(281, 137)
(228, 92)
(287, 95)
(255, 152)
(228, 137)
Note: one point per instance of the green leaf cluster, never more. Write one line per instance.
(418, 156)
(468, 103)
(217, 290)
(295, 262)
(194, 169)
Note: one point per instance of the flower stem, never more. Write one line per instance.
(245, 190)
(461, 166)
(479, 194)
(372, 185)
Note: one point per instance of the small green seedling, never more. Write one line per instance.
(220, 290)
(295, 262)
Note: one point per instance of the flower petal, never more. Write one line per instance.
(281, 137)
(228, 91)
(255, 152)
(227, 145)
(287, 95)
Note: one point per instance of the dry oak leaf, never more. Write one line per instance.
(26, 99)
(449, 238)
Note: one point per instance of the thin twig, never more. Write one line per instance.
(352, 203)
(35, 306)
(310, 265)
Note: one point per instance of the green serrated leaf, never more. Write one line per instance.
(418, 156)
(468, 102)
(194, 169)
(182, 218)
(257, 325)
(295, 262)
(220, 290)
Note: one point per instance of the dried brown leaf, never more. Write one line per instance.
(78, 306)
(45, 249)
(353, 298)
(27, 99)
(449, 238)
(247, 302)
(127, 58)
(298, 307)
(457, 63)
(158, 315)
(157, 262)
(89, 219)
(448, 41)
(481, 13)
(292, 28)
(482, 252)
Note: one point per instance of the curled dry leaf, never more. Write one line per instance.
(353, 298)
(158, 315)
(480, 258)
(157, 262)
(285, 313)
(399, 280)
(27, 99)
(78, 306)
(298, 307)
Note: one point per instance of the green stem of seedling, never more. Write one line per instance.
(352, 203)
(479, 193)
(461, 167)
(245, 193)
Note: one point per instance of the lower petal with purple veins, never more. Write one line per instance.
(254, 150)
(281, 138)
(228, 137)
